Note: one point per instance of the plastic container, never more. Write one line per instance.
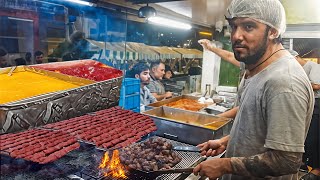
(130, 86)
(130, 94)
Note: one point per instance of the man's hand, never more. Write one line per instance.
(206, 44)
(168, 95)
(213, 168)
(212, 147)
(315, 86)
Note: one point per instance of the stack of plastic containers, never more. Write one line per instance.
(130, 94)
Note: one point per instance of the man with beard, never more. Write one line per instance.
(275, 101)
(141, 71)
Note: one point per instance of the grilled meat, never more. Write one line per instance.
(150, 155)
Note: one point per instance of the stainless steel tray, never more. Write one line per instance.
(52, 107)
(188, 127)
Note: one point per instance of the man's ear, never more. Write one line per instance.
(153, 69)
(137, 76)
(273, 34)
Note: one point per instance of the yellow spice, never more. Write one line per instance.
(22, 85)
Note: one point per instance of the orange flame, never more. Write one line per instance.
(113, 167)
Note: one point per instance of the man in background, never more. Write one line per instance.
(141, 71)
(28, 58)
(3, 58)
(195, 68)
(156, 87)
(38, 57)
(20, 62)
(74, 49)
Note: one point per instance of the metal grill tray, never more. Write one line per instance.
(60, 105)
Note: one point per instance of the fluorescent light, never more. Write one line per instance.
(205, 33)
(81, 2)
(20, 19)
(169, 23)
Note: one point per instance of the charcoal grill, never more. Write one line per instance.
(83, 163)
(189, 159)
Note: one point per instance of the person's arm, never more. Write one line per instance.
(230, 113)
(224, 54)
(152, 98)
(271, 163)
(186, 69)
(162, 96)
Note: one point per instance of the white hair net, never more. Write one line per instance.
(269, 12)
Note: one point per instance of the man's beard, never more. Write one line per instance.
(146, 82)
(257, 54)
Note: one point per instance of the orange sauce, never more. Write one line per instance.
(26, 84)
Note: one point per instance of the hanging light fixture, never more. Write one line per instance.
(146, 12)
(151, 15)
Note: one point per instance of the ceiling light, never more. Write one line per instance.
(169, 23)
(147, 12)
(81, 2)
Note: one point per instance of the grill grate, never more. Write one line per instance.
(188, 159)
(86, 157)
